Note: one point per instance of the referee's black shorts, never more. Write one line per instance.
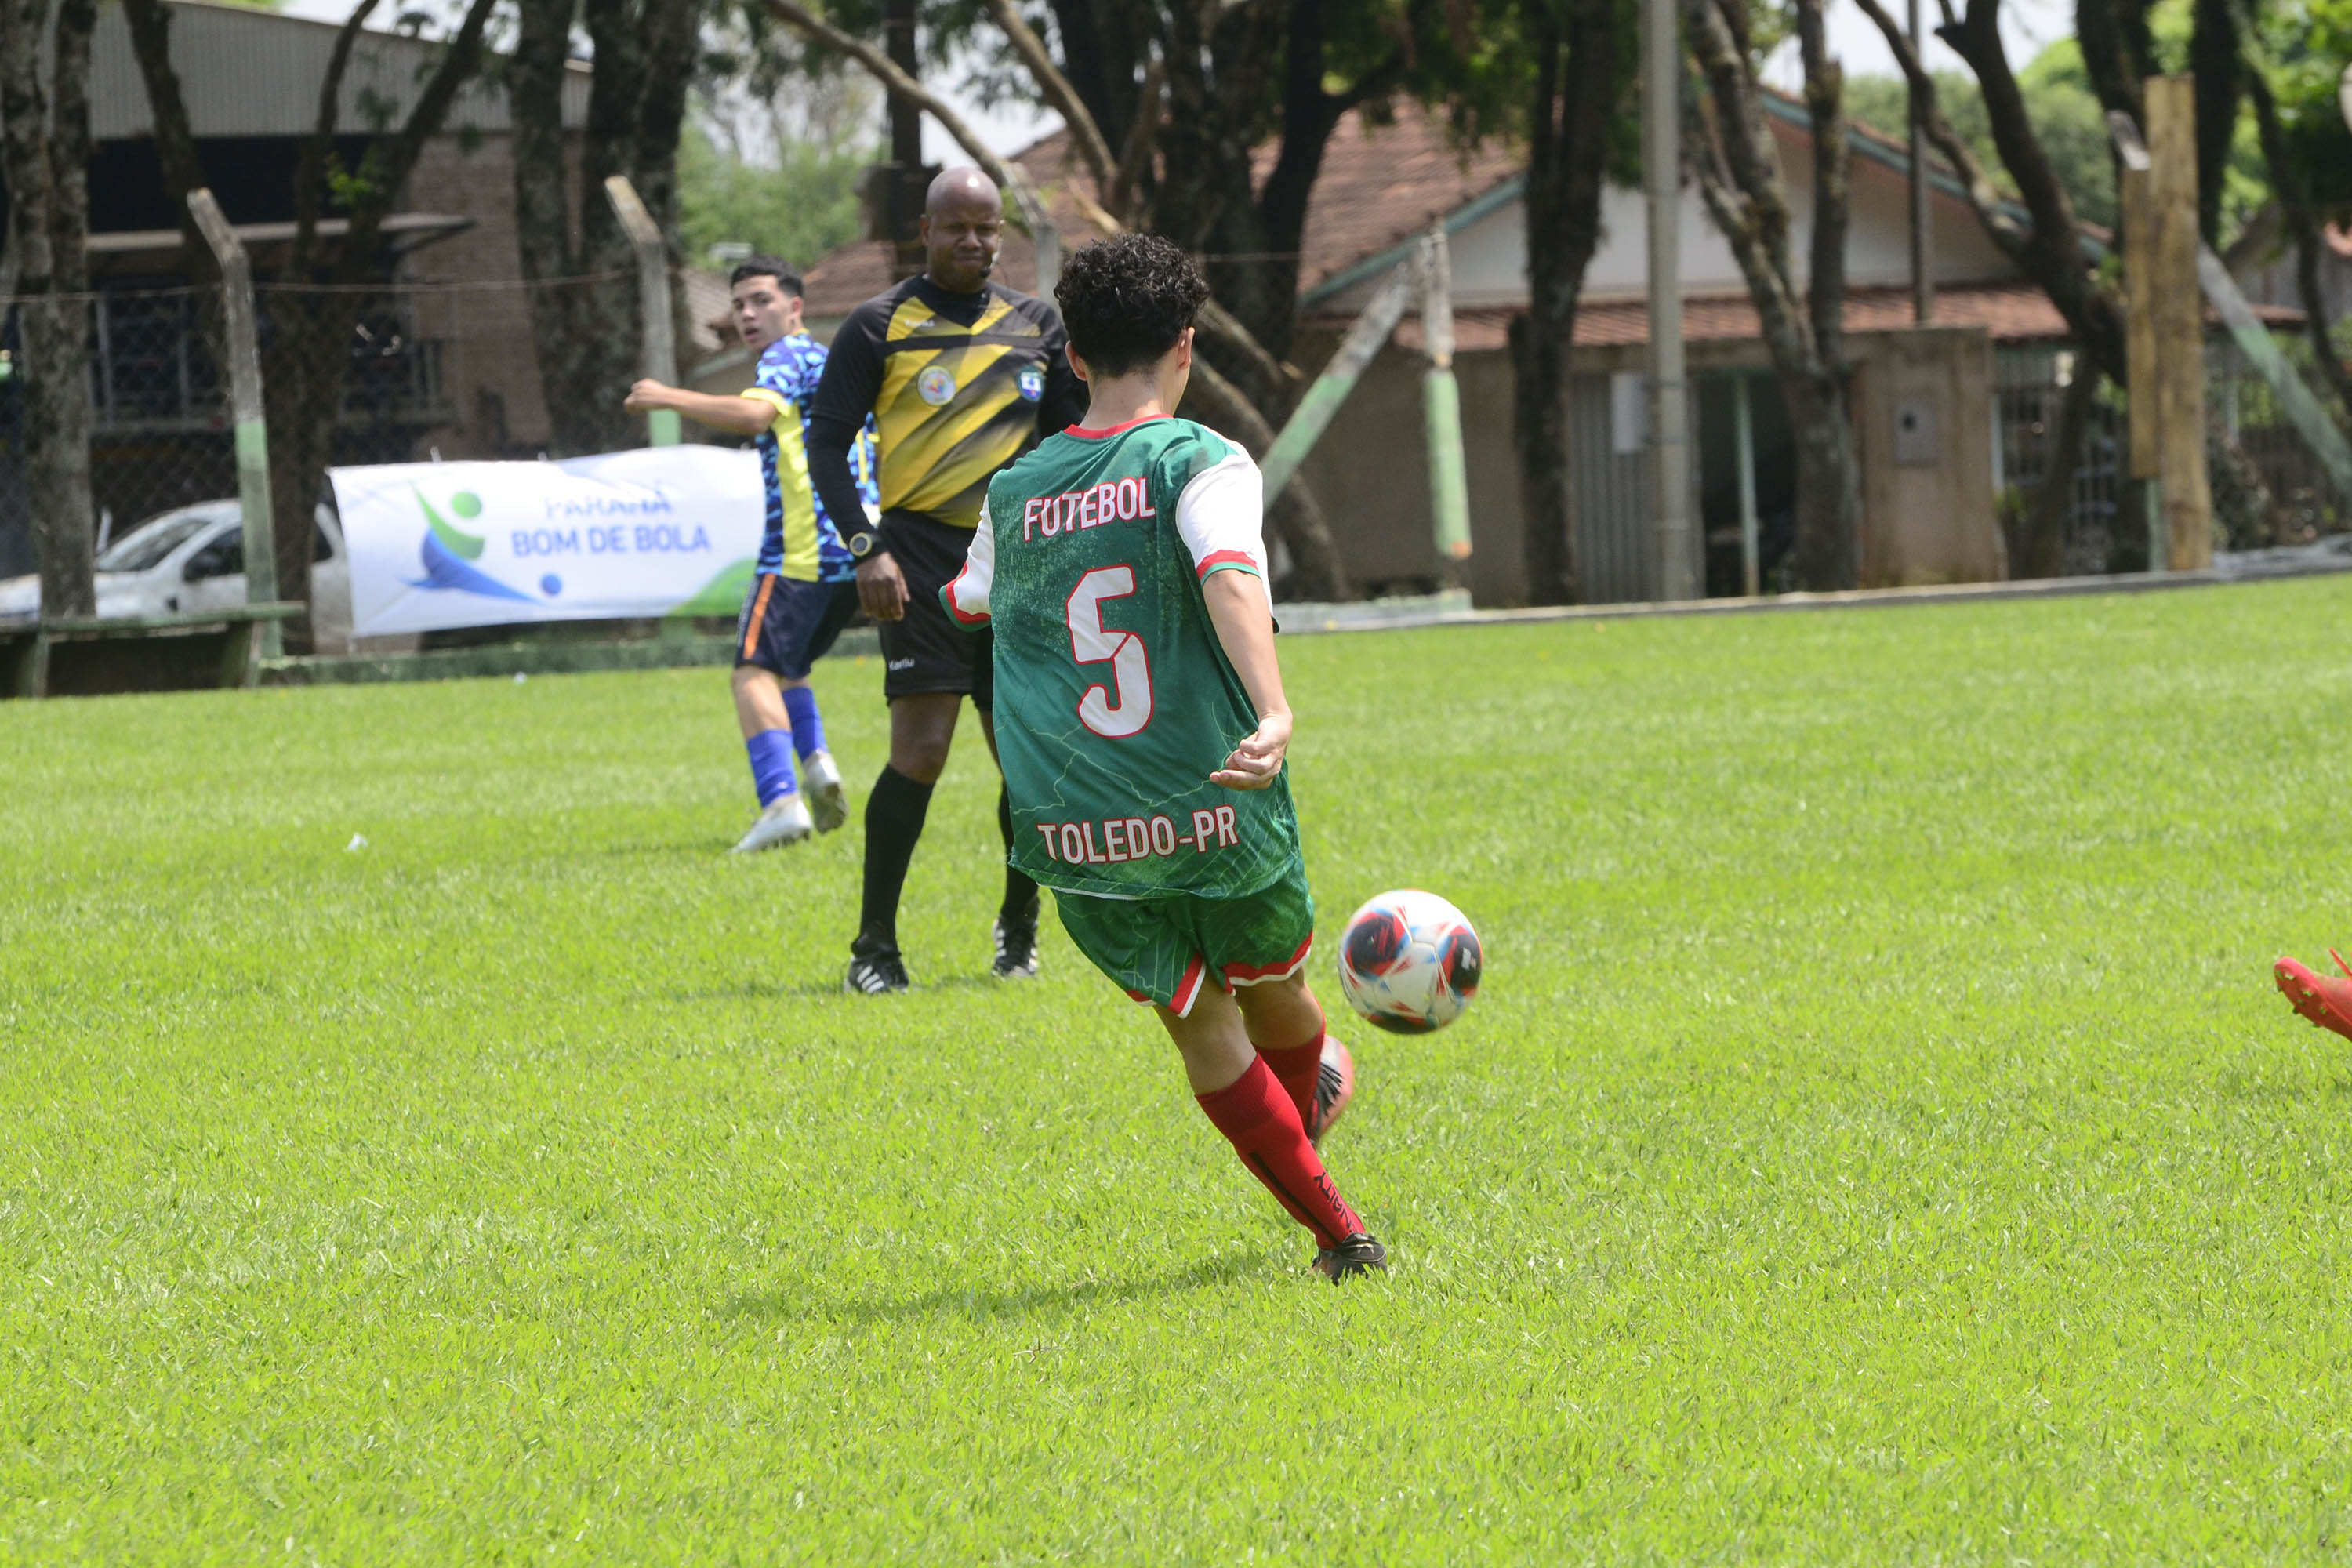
(926, 652)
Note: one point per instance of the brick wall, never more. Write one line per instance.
(487, 366)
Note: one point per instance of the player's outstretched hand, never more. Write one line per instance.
(1256, 763)
(882, 587)
(647, 396)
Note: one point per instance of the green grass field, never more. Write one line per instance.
(1878, 1138)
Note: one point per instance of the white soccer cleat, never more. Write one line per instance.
(821, 782)
(786, 821)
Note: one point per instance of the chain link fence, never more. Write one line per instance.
(427, 367)
(2031, 385)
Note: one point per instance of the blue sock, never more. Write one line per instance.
(808, 730)
(772, 766)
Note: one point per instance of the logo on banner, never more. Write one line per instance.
(936, 385)
(1032, 383)
(448, 553)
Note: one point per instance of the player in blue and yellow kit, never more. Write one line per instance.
(805, 589)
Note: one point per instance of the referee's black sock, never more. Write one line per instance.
(1020, 907)
(894, 821)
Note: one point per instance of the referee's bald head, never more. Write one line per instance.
(953, 187)
(963, 225)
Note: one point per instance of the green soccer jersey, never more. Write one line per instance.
(1114, 701)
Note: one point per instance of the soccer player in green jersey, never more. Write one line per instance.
(1141, 725)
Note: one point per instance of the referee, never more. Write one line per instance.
(960, 376)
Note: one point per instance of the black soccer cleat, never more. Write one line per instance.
(875, 971)
(1359, 1254)
(1017, 948)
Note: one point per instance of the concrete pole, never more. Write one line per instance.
(1670, 457)
(244, 346)
(1441, 403)
(1329, 390)
(653, 300)
(1923, 275)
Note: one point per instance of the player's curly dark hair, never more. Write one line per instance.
(1125, 301)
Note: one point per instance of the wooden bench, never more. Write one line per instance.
(29, 646)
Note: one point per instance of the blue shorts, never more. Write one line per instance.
(787, 624)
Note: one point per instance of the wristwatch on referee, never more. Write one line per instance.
(863, 543)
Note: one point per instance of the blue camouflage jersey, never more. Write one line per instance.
(801, 541)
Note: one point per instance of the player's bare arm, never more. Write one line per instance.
(736, 416)
(1238, 609)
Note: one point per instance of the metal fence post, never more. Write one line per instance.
(653, 300)
(1449, 481)
(243, 345)
(1743, 431)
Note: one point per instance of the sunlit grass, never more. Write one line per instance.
(1877, 1138)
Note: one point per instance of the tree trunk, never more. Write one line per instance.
(44, 158)
(2215, 58)
(1295, 516)
(1738, 177)
(586, 328)
(306, 351)
(306, 329)
(2245, 514)
(1569, 131)
(2039, 549)
(1829, 482)
(2287, 192)
(1829, 461)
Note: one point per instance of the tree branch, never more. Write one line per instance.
(2287, 191)
(1739, 138)
(310, 167)
(1832, 165)
(68, 147)
(459, 63)
(1983, 196)
(175, 143)
(1058, 93)
(1215, 317)
(1142, 138)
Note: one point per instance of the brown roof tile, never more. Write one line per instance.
(1380, 185)
(2012, 312)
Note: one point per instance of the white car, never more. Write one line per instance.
(192, 558)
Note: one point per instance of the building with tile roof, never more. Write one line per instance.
(1383, 185)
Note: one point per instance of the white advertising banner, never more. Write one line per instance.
(656, 531)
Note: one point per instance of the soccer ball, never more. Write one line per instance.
(1409, 961)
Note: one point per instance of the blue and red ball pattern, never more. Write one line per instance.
(1410, 961)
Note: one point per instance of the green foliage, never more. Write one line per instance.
(799, 210)
(2306, 46)
(2065, 114)
(1878, 1138)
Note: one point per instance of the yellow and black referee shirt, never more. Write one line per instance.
(958, 386)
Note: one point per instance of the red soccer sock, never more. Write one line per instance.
(1296, 1066)
(1256, 1115)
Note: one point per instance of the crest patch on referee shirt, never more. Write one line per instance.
(1032, 383)
(936, 385)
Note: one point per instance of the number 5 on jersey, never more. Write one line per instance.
(1112, 716)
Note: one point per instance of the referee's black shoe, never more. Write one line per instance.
(1016, 948)
(875, 970)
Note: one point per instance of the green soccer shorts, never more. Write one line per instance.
(1161, 950)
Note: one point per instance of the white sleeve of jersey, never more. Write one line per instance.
(966, 597)
(1220, 517)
